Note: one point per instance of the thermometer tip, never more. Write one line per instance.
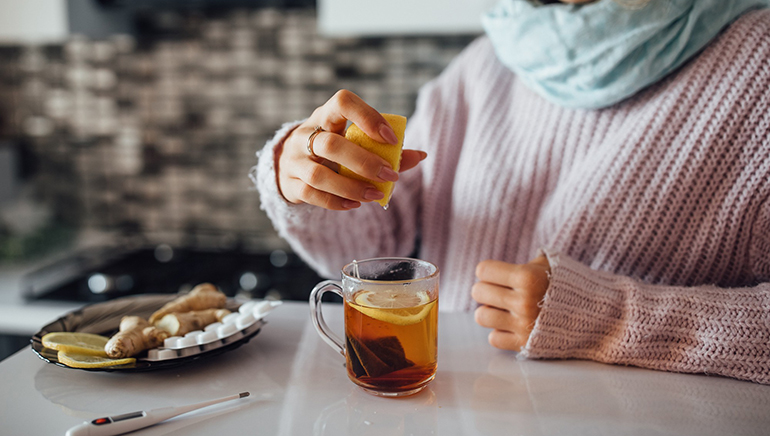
(243, 394)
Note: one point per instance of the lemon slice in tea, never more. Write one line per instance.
(76, 342)
(77, 360)
(395, 306)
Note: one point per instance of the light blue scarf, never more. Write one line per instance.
(595, 55)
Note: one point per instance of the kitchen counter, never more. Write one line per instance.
(299, 387)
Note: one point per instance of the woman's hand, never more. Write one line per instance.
(510, 297)
(303, 178)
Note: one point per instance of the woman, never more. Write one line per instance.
(613, 162)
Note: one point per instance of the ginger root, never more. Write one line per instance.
(179, 324)
(135, 336)
(203, 296)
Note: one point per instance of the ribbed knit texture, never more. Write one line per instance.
(655, 212)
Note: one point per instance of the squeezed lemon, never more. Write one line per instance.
(395, 306)
(390, 152)
(78, 360)
(76, 342)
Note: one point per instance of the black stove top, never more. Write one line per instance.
(100, 275)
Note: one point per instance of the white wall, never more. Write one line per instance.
(403, 17)
(33, 21)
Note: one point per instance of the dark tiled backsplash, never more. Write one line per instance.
(157, 138)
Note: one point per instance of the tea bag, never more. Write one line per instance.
(377, 357)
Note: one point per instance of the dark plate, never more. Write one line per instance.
(104, 319)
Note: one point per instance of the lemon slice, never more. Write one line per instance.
(77, 360)
(76, 342)
(396, 306)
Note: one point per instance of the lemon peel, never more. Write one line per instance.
(76, 342)
(78, 360)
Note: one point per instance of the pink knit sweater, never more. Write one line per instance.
(654, 213)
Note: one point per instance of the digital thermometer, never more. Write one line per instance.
(127, 422)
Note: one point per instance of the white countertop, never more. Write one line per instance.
(299, 387)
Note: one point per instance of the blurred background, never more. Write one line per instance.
(128, 129)
(144, 116)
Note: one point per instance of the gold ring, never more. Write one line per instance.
(316, 131)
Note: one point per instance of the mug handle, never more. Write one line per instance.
(318, 320)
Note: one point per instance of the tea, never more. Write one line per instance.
(391, 323)
(390, 337)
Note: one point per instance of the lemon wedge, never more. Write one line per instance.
(76, 342)
(77, 360)
(395, 306)
(390, 152)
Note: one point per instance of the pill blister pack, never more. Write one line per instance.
(233, 327)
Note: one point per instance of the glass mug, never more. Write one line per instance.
(391, 323)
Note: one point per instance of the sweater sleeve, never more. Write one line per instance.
(609, 318)
(328, 240)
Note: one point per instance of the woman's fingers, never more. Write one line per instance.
(508, 331)
(510, 296)
(337, 149)
(410, 159)
(321, 178)
(528, 276)
(346, 106)
(500, 319)
(507, 340)
(316, 197)
(307, 170)
(520, 303)
(490, 294)
(494, 318)
(495, 271)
